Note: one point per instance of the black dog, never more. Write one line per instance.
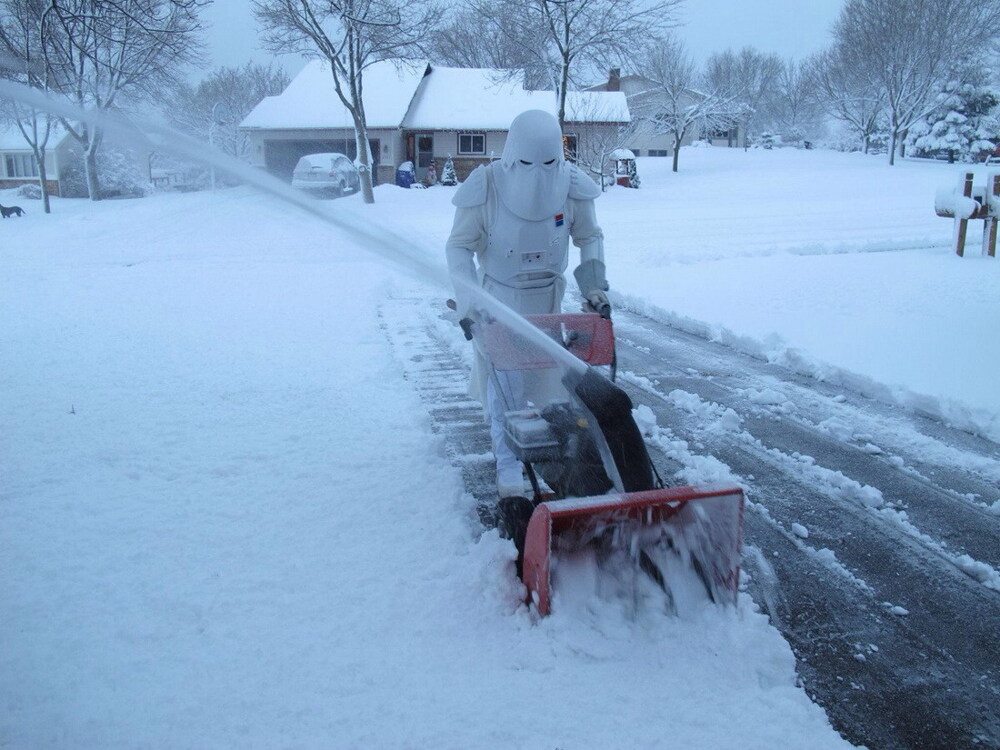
(6, 211)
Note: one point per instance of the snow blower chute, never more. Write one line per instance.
(592, 478)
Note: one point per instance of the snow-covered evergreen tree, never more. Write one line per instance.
(448, 176)
(964, 123)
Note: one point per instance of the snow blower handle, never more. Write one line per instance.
(465, 323)
(598, 302)
(593, 284)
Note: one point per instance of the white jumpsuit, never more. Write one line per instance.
(520, 262)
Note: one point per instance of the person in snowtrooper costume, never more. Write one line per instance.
(514, 219)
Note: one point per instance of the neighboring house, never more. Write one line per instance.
(18, 165)
(418, 113)
(63, 157)
(642, 99)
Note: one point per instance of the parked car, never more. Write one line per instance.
(326, 173)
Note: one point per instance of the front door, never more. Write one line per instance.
(424, 152)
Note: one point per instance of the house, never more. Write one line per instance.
(18, 165)
(642, 97)
(308, 118)
(420, 113)
(465, 112)
(64, 165)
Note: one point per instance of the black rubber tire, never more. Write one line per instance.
(513, 514)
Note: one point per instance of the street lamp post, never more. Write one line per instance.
(220, 116)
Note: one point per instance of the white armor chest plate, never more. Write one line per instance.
(525, 254)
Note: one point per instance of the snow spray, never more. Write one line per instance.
(383, 242)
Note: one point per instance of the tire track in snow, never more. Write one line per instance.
(856, 489)
(912, 487)
(926, 678)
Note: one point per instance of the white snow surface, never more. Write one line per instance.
(225, 520)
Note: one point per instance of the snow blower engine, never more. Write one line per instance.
(593, 482)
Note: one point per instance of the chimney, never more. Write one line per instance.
(615, 80)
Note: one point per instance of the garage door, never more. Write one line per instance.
(281, 156)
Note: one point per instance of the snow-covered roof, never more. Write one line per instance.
(444, 99)
(488, 99)
(636, 85)
(597, 106)
(310, 100)
(11, 138)
(480, 98)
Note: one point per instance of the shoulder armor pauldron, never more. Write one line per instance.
(581, 187)
(472, 192)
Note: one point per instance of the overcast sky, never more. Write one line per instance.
(791, 28)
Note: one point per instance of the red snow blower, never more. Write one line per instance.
(593, 482)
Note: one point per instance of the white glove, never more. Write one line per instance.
(597, 301)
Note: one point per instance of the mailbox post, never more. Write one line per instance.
(990, 228)
(972, 202)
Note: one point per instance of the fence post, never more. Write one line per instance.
(990, 222)
(962, 225)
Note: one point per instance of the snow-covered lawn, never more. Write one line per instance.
(834, 264)
(225, 522)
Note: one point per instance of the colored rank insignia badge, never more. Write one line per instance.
(559, 220)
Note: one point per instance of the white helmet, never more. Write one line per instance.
(533, 178)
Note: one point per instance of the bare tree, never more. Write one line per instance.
(597, 136)
(215, 107)
(470, 39)
(908, 48)
(672, 105)
(98, 52)
(795, 111)
(748, 79)
(20, 41)
(848, 94)
(570, 39)
(595, 154)
(351, 35)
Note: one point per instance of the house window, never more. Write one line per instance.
(22, 165)
(472, 144)
(569, 147)
(658, 152)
